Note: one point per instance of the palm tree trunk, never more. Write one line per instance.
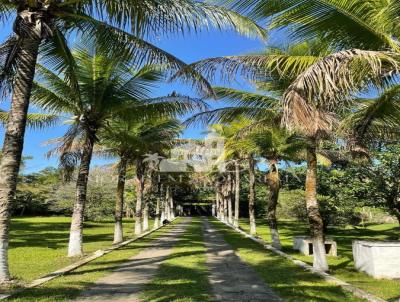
(237, 194)
(314, 216)
(252, 195)
(75, 247)
(167, 204)
(147, 194)
(220, 198)
(139, 196)
(274, 187)
(171, 206)
(225, 198)
(229, 198)
(14, 142)
(146, 216)
(119, 204)
(157, 217)
(163, 215)
(158, 205)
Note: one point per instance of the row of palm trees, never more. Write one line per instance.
(307, 122)
(42, 29)
(309, 89)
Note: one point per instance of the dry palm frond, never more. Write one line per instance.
(311, 100)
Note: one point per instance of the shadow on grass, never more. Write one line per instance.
(49, 233)
(69, 286)
(183, 275)
(289, 281)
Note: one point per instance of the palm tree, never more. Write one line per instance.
(228, 131)
(274, 144)
(273, 70)
(131, 141)
(105, 87)
(36, 121)
(43, 27)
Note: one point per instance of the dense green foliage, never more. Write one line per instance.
(45, 193)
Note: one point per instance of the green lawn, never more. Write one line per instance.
(183, 276)
(288, 280)
(38, 245)
(68, 287)
(342, 266)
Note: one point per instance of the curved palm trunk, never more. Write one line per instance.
(314, 216)
(139, 196)
(119, 204)
(75, 247)
(14, 142)
(274, 187)
(237, 194)
(252, 195)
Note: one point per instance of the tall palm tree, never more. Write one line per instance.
(229, 131)
(274, 144)
(130, 141)
(273, 71)
(105, 88)
(43, 27)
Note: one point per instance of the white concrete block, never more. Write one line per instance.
(379, 259)
(304, 244)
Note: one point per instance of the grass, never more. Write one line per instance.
(183, 276)
(38, 245)
(286, 279)
(343, 265)
(68, 287)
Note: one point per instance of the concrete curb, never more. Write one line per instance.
(327, 277)
(97, 254)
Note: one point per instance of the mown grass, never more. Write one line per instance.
(38, 245)
(343, 265)
(183, 276)
(69, 286)
(286, 279)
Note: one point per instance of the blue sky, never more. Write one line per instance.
(189, 49)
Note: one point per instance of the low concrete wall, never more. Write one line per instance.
(304, 244)
(379, 259)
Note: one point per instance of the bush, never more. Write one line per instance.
(292, 205)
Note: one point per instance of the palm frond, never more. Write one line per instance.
(229, 114)
(8, 61)
(364, 24)
(34, 120)
(136, 50)
(168, 105)
(243, 98)
(326, 86)
(153, 17)
(375, 118)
